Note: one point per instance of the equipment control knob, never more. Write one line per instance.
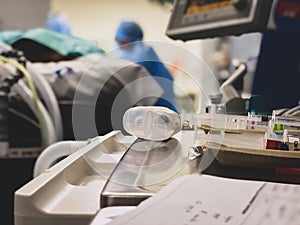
(239, 4)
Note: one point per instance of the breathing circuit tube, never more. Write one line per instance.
(48, 127)
(35, 104)
(53, 152)
(47, 94)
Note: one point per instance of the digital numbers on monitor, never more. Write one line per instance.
(197, 6)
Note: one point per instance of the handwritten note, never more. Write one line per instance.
(208, 200)
(277, 204)
(195, 199)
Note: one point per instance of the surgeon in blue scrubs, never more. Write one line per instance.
(129, 38)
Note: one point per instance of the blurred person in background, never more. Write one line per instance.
(129, 38)
(59, 23)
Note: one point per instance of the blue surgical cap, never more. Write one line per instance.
(129, 30)
(58, 23)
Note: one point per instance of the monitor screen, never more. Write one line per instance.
(195, 19)
(277, 75)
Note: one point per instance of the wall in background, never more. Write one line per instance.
(25, 14)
